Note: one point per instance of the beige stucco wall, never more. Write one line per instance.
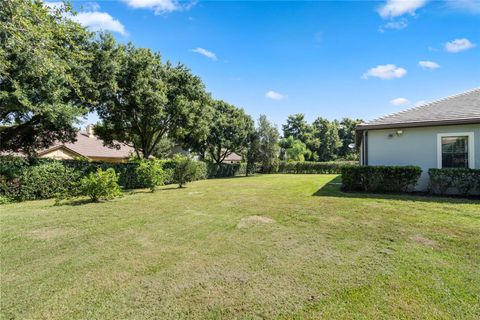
(64, 154)
(59, 154)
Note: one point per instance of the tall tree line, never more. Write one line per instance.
(322, 140)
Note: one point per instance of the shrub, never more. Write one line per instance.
(224, 170)
(186, 170)
(380, 178)
(150, 173)
(100, 185)
(312, 167)
(43, 181)
(463, 180)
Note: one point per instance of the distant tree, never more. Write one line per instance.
(253, 151)
(296, 127)
(327, 132)
(268, 137)
(263, 146)
(142, 100)
(45, 75)
(294, 150)
(229, 131)
(346, 132)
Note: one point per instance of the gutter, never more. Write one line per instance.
(366, 126)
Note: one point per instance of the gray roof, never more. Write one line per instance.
(457, 109)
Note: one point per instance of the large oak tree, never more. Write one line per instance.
(229, 131)
(142, 100)
(45, 83)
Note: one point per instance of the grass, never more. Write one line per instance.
(312, 252)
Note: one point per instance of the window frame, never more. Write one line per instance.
(471, 147)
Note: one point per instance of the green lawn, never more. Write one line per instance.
(312, 252)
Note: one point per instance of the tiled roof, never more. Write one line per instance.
(456, 109)
(233, 157)
(93, 147)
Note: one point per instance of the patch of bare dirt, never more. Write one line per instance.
(424, 240)
(250, 221)
(48, 233)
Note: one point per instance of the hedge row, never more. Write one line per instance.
(41, 178)
(464, 181)
(380, 178)
(313, 167)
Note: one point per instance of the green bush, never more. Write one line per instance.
(380, 178)
(224, 170)
(185, 170)
(313, 167)
(43, 181)
(150, 173)
(462, 180)
(100, 185)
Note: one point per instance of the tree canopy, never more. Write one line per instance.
(293, 149)
(45, 68)
(229, 131)
(142, 100)
(327, 133)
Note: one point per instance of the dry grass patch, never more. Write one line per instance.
(251, 221)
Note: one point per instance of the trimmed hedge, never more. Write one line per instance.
(380, 178)
(313, 167)
(41, 178)
(461, 180)
(224, 170)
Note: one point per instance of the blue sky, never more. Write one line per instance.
(359, 59)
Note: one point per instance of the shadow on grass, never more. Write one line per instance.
(74, 202)
(333, 189)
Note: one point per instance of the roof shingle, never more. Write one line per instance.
(93, 147)
(456, 109)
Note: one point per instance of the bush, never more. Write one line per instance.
(186, 170)
(224, 170)
(150, 173)
(380, 178)
(100, 185)
(463, 180)
(43, 181)
(313, 167)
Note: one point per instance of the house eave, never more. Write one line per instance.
(362, 127)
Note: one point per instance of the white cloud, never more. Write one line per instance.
(206, 53)
(458, 45)
(428, 65)
(385, 72)
(396, 8)
(90, 6)
(159, 6)
(399, 101)
(91, 18)
(275, 95)
(397, 25)
(97, 21)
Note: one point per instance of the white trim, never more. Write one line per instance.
(471, 147)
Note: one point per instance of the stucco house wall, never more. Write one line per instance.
(415, 146)
(59, 154)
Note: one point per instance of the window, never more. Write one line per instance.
(455, 150)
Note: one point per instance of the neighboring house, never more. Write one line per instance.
(87, 146)
(440, 134)
(232, 158)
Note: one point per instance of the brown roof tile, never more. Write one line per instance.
(93, 147)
